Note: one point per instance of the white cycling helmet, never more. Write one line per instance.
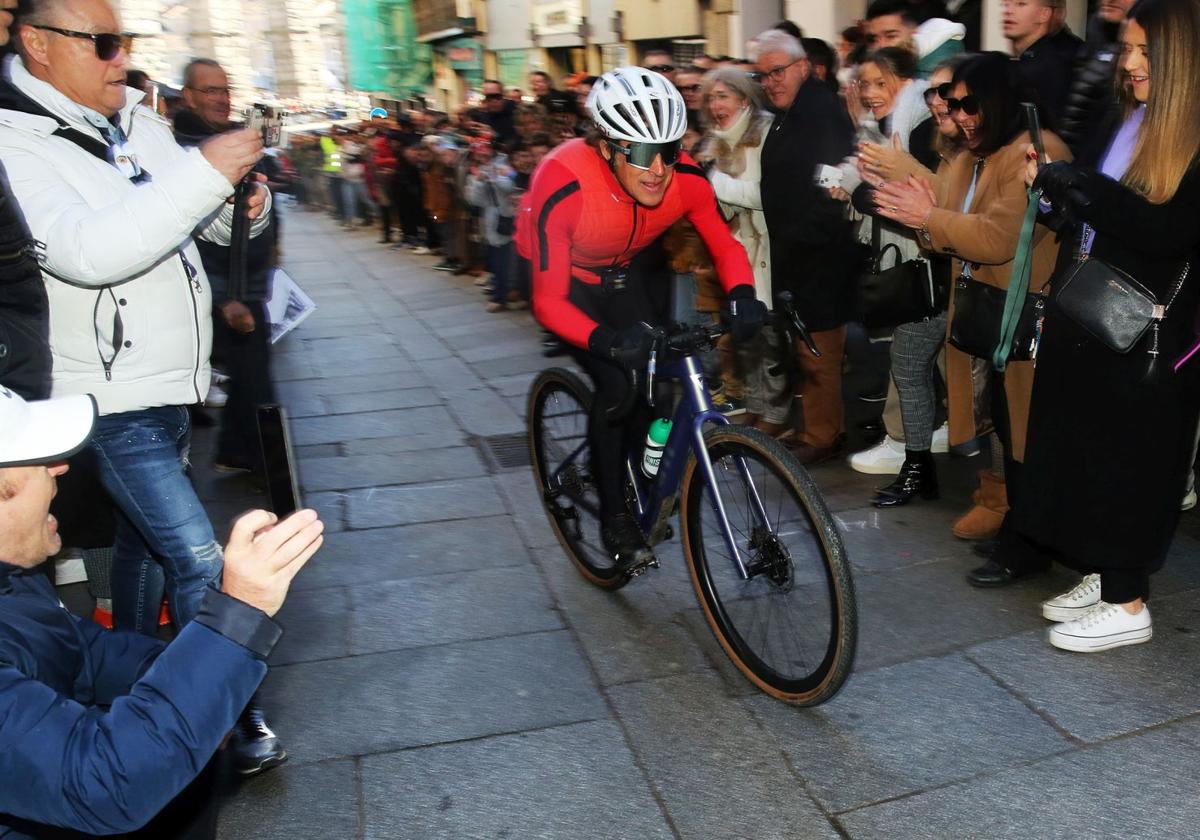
(636, 104)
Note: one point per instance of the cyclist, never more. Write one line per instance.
(595, 204)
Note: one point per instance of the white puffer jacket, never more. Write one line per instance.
(122, 273)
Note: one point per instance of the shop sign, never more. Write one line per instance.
(557, 17)
(463, 53)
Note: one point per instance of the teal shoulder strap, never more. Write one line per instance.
(1018, 284)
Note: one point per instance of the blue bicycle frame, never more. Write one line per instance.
(654, 500)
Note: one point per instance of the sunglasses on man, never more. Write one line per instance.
(493, 96)
(642, 155)
(662, 68)
(107, 44)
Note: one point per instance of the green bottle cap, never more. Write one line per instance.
(660, 430)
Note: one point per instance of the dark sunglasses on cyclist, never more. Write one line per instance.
(642, 155)
(107, 44)
(662, 68)
(969, 105)
(493, 96)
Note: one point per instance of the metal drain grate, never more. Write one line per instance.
(506, 452)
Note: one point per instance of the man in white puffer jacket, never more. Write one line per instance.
(112, 203)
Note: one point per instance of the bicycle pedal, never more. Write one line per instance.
(639, 567)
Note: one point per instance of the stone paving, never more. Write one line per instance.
(445, 673)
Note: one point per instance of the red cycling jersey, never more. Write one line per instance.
(576, 219)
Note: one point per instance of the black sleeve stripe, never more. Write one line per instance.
(559, 195)
(689, 169)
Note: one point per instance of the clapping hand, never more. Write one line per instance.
(909, 202)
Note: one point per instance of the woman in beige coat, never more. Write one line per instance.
(973, 212)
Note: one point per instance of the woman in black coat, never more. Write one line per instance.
(1111, 434)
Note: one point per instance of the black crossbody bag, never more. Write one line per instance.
(1111, 306)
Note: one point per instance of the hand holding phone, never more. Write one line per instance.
(827, 176)
(1034, 124)
(279, 464)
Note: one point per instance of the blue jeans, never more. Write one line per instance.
(162, 529)
(499, 258)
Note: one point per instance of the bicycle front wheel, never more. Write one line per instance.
(791, 627)
(557, 418)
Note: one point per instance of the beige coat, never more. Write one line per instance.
(986, 237)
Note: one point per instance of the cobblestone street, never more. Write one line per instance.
(446, 673)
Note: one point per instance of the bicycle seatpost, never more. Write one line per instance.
(787, 302)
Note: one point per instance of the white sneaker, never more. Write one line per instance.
(1074, 602)
(884, 458)
(421, 251)
(1189, 500)
(941, 439)
(1103, 627)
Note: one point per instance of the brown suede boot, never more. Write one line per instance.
(982, 522)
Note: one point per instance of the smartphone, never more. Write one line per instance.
(827, 176)
(268, 121)
(1034, 124)
(279, 464)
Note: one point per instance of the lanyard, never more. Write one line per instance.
(966, 207)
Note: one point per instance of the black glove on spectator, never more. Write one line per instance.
(1063, 185)
(629, 347)
(747, 314)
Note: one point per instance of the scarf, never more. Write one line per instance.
(720, 145)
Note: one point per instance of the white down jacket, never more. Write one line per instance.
(130, 307)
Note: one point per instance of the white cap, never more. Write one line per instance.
(44, 431)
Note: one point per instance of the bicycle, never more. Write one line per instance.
(758, 570)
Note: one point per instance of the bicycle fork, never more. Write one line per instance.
(703, 413)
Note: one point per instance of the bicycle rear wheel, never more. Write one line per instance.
(557, 419)
(791, 628)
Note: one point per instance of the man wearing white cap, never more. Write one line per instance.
(66, 759)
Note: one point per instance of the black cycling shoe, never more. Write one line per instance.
(254, 747)
(623, 539)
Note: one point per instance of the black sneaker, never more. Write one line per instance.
(623, 539)
(254, 747)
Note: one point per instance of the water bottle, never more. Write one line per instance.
(656, 440)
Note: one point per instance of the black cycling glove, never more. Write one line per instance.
(747, 314)
(629, 347)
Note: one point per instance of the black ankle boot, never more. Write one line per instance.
(254, 747)
(917, 477)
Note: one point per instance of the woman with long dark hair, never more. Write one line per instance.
(1112, 433)
(973, 212)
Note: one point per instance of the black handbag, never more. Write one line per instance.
(1113, 307)
(902, 294)
(978, 313)
(1001, 325)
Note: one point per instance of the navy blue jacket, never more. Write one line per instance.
(100, 730)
